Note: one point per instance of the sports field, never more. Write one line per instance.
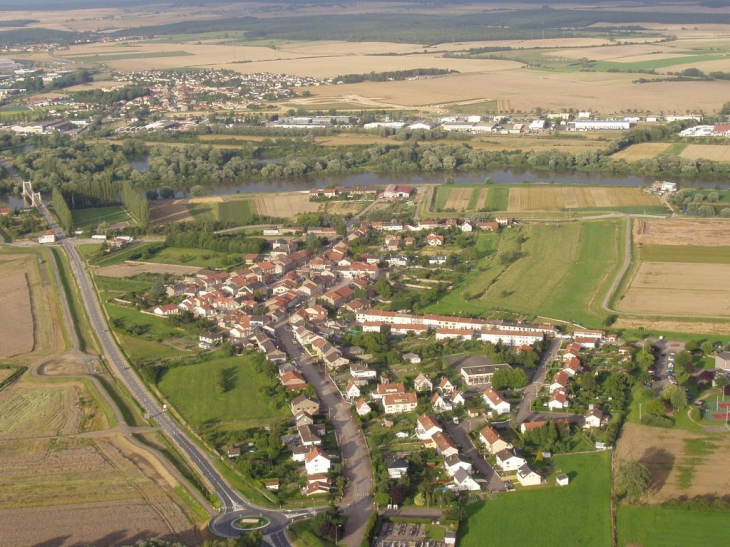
(678, 289)
(567, 197)
(536, 516)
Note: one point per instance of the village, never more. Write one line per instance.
(474, 426)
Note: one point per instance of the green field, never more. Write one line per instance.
(238, 212)
(473, 200)
(196, 257)
(562, 272)
(675, 149)
(684, 253)
(202, 212)
(89, 218)
(124, 56)
(302, 536)
(578, 514)
(497, 199)
(656, 526)
(193, 392)
(605, 66)
(441, 197)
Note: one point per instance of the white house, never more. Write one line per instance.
(495, 401)
(352, 391)
(559, 400)
(412, 358)
(507, 460)
(362, 407)
(48, 237)
(562, 480)
(441, 403)
(445, 386)
(397, 467)
(528, 477)
(455, 462)
(398, 403)
(463, 481)
(560, 381)
(422, 383)
(444, 445)
(594, 418)
(316, 461)
(427, 426)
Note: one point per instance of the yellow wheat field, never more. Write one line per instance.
(716, 152)
(458, 199)
(643, 151)
(558, 198)
(679, 289)
(285, 205)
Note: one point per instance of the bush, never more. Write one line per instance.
(371, 526)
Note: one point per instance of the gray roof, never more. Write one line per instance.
(460, 476)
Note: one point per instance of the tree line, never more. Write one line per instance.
(65, 217)
(392, 75)
(186, 236)
(135, 205)
(108, 98)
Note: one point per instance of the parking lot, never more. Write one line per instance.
(405, 534)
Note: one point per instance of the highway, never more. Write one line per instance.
(232, 505)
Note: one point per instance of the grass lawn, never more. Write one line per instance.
(302, 536)
(563, 272)
(656, 526)
(202, 212)
(497, 199)
(537, 516)
(192, 390)
(147, 350)
(87, 218)
(685, 253)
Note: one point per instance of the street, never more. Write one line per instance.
(531, 391)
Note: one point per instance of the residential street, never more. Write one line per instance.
(357, 502)
(459, 435)
(530, 392)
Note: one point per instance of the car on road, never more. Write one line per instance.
(671, 357)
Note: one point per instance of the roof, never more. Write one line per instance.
(490, 434)
(506, 454)
(443, 441)
(461, 476)
(493, 396)
(396, 463)
(400, 398)
(313, 453)
(428, 421)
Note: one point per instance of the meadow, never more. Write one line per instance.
(90, 218)
(657, 526)
(192, 390)
(538, 516)
(560, 271)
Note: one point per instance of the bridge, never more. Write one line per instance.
(30, 198)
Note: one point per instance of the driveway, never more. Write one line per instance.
(459, 435)
(357, 501)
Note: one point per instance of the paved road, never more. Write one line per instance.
(460, 436)
(233, 505)
(357, 503)
(529, 394)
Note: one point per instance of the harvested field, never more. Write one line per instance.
(716, 152)
(458, 199)
(643, 151)
(164, 212)
(706, 233)
(126, 496)
(678, 289)
(672, 456)
(16, 319)
(694, 327)
(285, 204)
(130, 268)
(567, 197)
(345, 207)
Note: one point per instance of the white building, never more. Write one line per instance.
(316, 461)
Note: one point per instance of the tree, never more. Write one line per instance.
(610, 320)
(691, 345)
(588, 382)
(419, 500)
(707, 348)
(653, 407)
(632, 478)
(675, 395)
(456, 511)
(197, 191)
(683, 357)
(383, 288)
(381, 498)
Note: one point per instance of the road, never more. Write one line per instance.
(460, 436)
(232, 504)
(357, 502)
(529, 393)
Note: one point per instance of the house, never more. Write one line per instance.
(302, 403)
(722, 361)
(351, 390)
(362, 408)
(450, 538)
(397, 467)
(427, 426)
(594, 418)
(397, 403)
(457, 398)
(488, 226)
(412, 358)
(445, 386)
(422, 383)
(475, 375)
(272, 485)
(394, 191)
(495, 401)
(166, 310)
(362, 371)
(507, 460)
(48, 237)
(572, 366)
(560, 381)
(308, 435)
(529, 426)
(463, 482)
(562, 480)
(493, 440)
(316, 461)
(303, 418)
(528, 476)
(467, 227)
(293, 380)
(504, 221)
(441, 403)
(443, 444)
(455, 462)
(558, 400)
(388, 389)
(434, 240)
(234, 452)
(212, 338)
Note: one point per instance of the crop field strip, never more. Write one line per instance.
(685, 253)
(715, 152)
(694, 232)
(548, 198)
(459, 199)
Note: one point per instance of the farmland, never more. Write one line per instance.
(590, 479)
(560, 198)
(673, 454)
(678, 289)
(17, 317)
(285, 204)
(130, 269)
(642, 151)
(715, 152)
(705, 233)
(191, 389)
(656, 526)
(684, 253)
(560, 271)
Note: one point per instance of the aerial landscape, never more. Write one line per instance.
(364, 273)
